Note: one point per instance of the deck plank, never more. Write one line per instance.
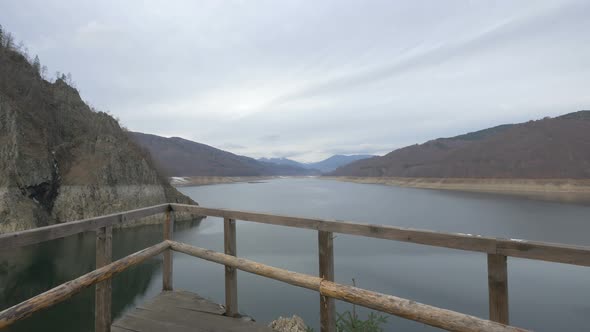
(181, 311)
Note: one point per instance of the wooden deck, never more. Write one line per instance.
(181, 311)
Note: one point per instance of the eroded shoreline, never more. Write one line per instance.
(187, 181)
(558, 190)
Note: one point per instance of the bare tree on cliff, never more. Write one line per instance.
(37, 65)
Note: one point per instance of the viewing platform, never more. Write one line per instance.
(182, 311)
(179, 311)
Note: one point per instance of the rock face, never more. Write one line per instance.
(292, 324)
(62, 161)
(551, 148)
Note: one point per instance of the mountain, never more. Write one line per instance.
(180, 157)
(62, 161)
(324, 166)
(332, 163)
(543, 149)
(283, 161)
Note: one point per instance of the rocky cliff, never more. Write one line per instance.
(60, 160)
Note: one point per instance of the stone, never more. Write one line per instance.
(288, 324)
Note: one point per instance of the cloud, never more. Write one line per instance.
(270, 138)
(310, 79)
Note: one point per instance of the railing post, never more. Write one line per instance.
(167, 266)
(498, 288)
(103, 291)
(231, 274)
(326, 259)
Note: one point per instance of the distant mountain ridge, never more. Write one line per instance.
(178, 157)
(324, 166)
(549, 148)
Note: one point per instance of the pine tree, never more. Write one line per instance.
(1, 36)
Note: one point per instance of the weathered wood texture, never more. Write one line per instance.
(293, 278)
(551, 252)
(181, 311)
(103, 290)
(433, 316)
(167, 269)
(326, 269)
(442, 318)
(231, 274)
(498, 288)
(66, 290)
(42, 234)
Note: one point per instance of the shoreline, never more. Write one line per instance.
(558, 190)
(188, 181)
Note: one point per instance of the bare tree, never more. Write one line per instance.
(37, 65)
(1, 36)
(44, 73)
(8, 41)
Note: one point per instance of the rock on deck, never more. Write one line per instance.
(180, 311)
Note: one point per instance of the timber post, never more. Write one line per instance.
(231, 274)
(168, 235)
(103, 290)
(498, 288)
(326, 262)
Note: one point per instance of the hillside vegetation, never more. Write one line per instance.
(551, 148)
(59, 159)
(180, 157)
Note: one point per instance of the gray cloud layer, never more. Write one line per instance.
(309, 79)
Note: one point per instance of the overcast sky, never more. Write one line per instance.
(308, 79)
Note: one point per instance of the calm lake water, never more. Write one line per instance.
(543, 296)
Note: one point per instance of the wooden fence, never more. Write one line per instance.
(497, 251)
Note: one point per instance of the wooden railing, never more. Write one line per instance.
(497, 251)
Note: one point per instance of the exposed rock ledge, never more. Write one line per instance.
(80, 202)
(288, 324)
(561, 190)
(206, 180)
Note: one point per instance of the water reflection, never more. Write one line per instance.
(31, 270)
(543, 296)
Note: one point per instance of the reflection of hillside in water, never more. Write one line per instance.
(28, 271)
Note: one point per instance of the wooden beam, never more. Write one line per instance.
(551, 252)
(66, 290)
(433, 238)
(423, 313)
(437, 317)
(103, 290)
(42, 234)
(498, 288)
(231, 274)
(326, 268)
(167, 270)
(292, 278)
(543, 251)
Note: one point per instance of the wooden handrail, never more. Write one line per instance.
(430, 315)
(66, 290)
(103, 291)
(231, 275)
(47, 233)
(497, 250)
(551, 252)
(168, 259)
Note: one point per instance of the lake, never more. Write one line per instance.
(543, 296)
